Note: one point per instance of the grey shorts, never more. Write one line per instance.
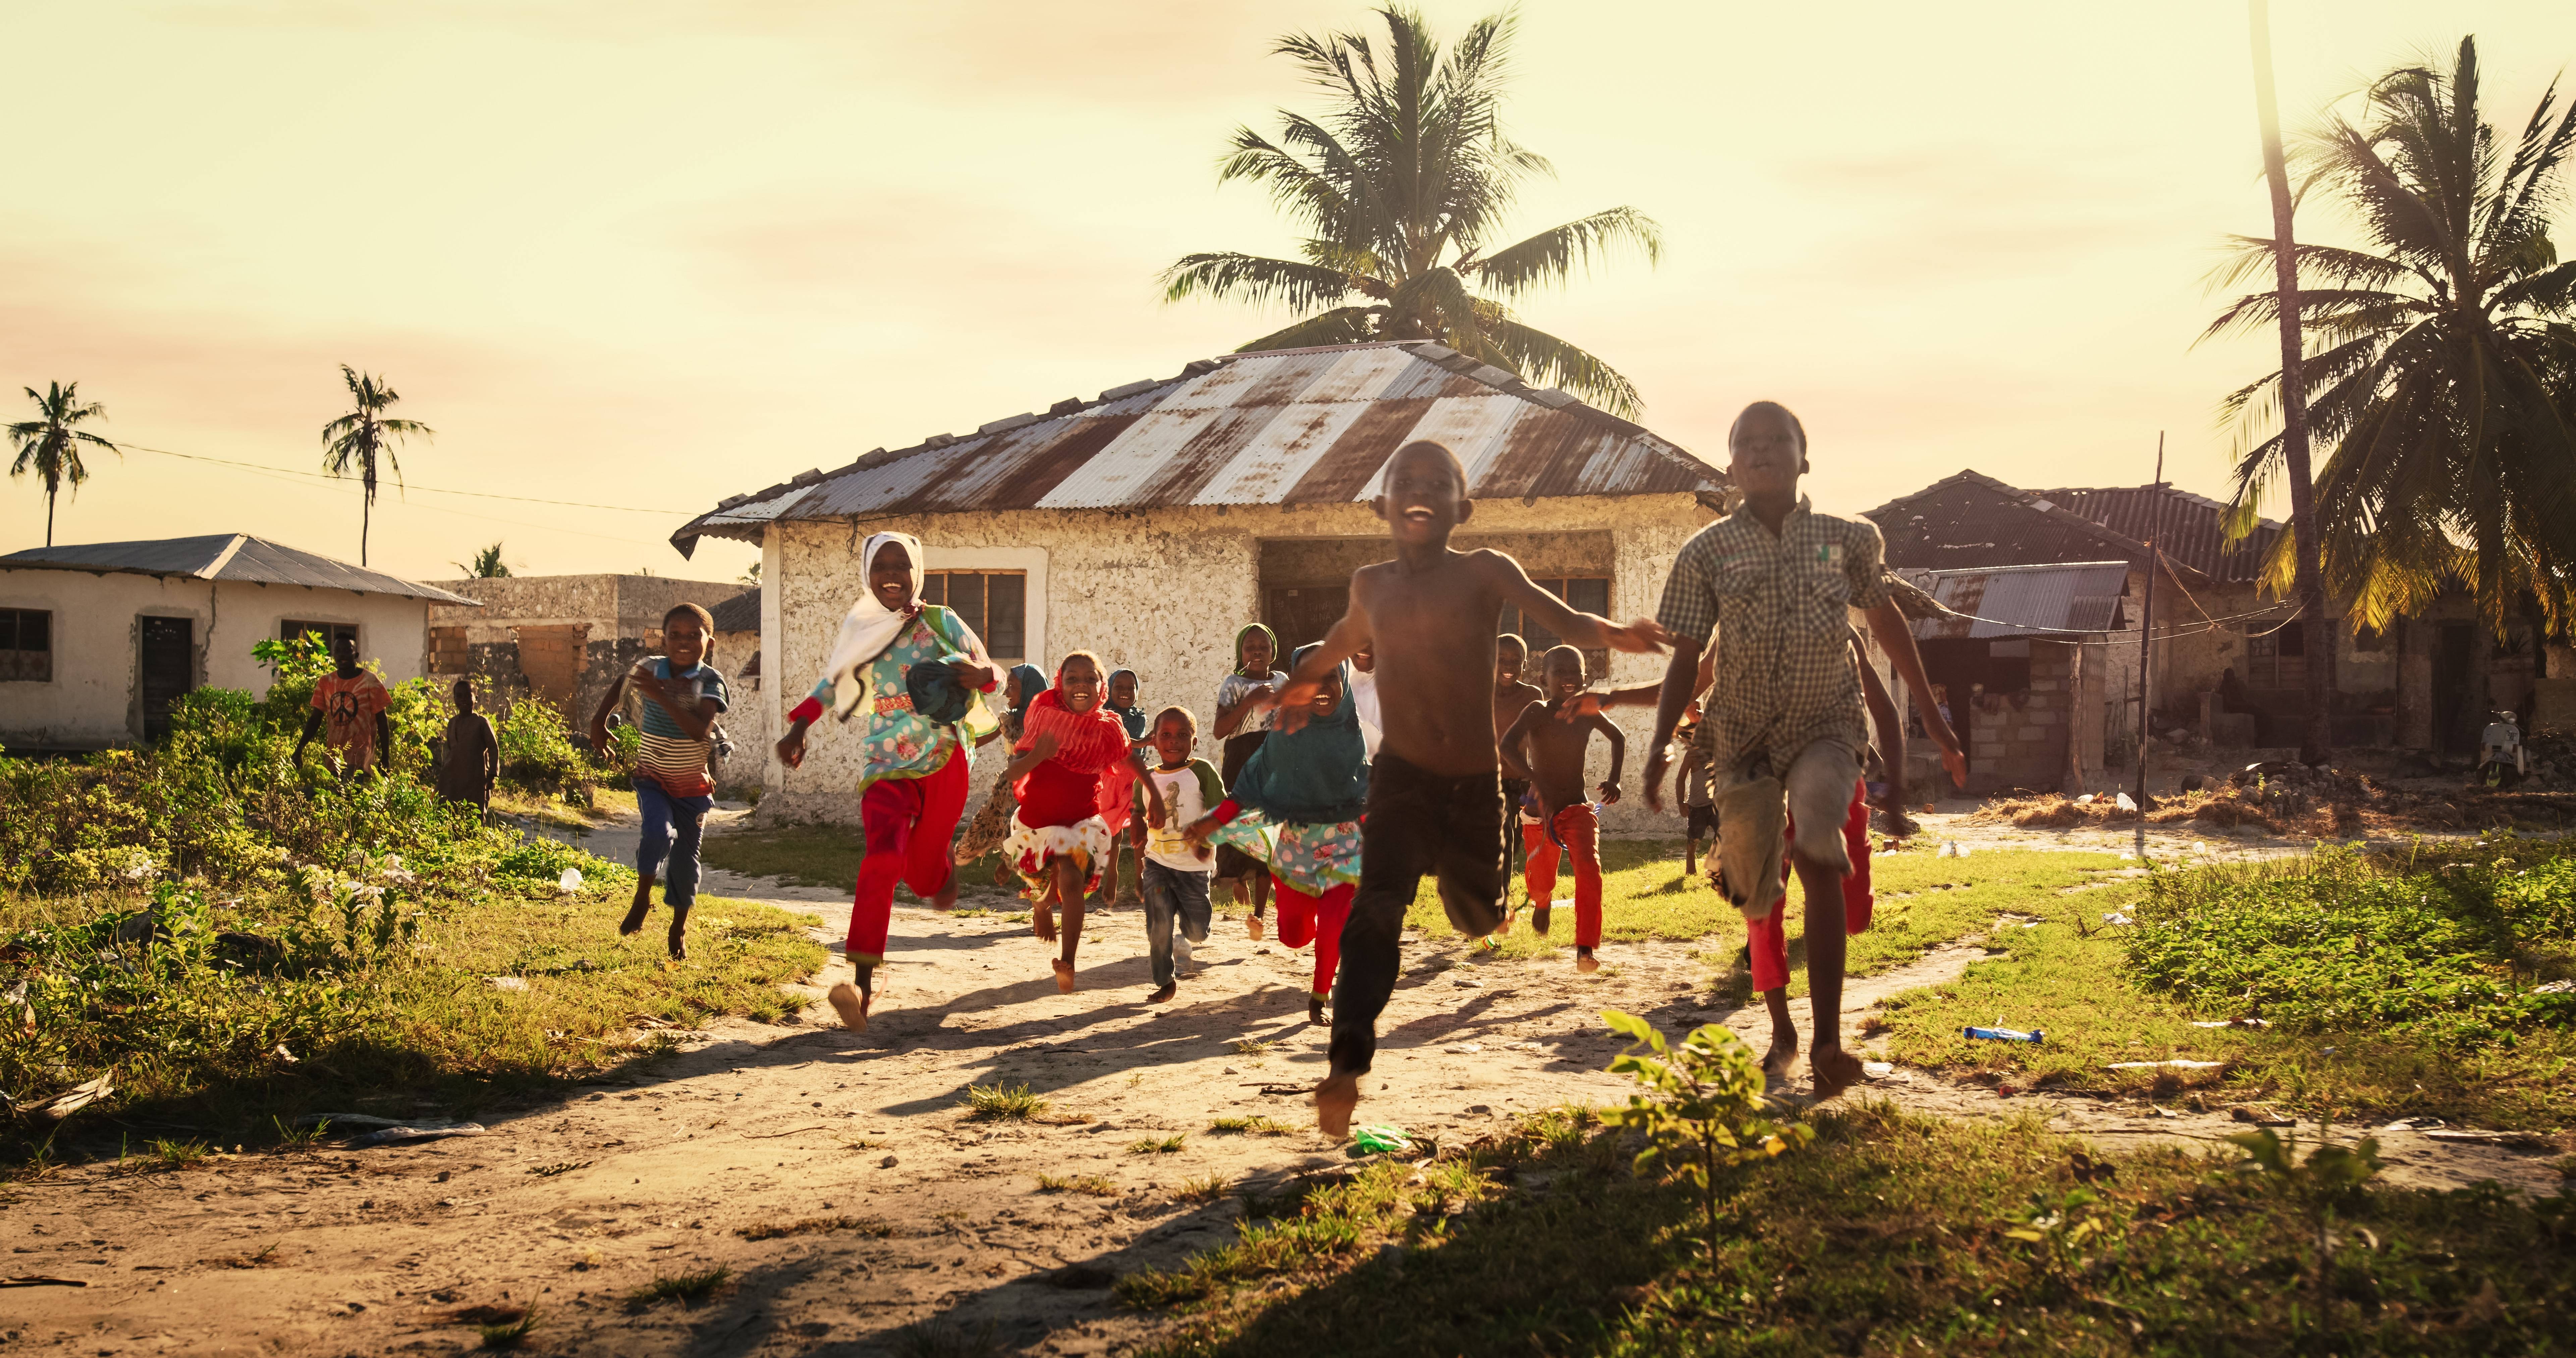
(1816, 794)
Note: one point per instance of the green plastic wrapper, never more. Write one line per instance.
(1380, 1139)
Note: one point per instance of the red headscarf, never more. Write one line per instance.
(1086, 742)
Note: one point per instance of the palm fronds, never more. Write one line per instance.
(50, 445)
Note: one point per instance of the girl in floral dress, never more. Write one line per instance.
(913, 770)
(1298, 804)
(1072, 772)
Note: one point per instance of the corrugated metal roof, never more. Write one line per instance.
(741, 613)
(1292, 426)
(2192, 530)
(227, 557)
(2025, 601)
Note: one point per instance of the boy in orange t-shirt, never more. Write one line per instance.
(349, 711)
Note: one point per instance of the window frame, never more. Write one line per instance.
(288, 629)
(981, 622)
(1596, 662)
(11, 662)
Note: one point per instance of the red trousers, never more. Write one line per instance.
(1307, 919)
(1581, 831)
(909, 823)
(1770, 938)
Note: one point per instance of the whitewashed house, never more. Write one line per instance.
(1150, 522)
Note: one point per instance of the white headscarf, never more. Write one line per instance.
(870, 627)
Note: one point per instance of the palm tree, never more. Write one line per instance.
(1398, 190)
(50, 446)
(360, 437)
(487, 565)
(2442, 365)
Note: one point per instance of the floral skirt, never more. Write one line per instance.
(1311, 858)
(1032, 850)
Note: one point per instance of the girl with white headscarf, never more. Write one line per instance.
(912, 779)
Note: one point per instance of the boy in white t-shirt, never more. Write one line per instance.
(1173, 878)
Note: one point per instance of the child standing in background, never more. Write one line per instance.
(471, 761)
(1173, 878)
(1690, 791)
(682, 696)
(1549, 754)
(1310, 787)
(1071, 773)
(1243, 717)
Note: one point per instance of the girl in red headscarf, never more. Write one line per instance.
(1072, 773)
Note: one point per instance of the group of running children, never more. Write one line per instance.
(1402, 744)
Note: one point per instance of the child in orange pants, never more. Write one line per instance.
(1580, 831)
(1769, 939)
(1548, 746)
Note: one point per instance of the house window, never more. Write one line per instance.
(328, 633)
(1583, 594)
(26, 645)
(994, 603)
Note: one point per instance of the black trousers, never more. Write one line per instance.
(1451, 828)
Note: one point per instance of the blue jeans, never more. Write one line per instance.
(671, 827)
(1171, 896)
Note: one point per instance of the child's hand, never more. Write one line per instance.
(1296, 703)
(1045, 745)
(1197, 833)
(1644, 636)
(791, 748)
(1154, 816)
(599, 737)
(1608, 793)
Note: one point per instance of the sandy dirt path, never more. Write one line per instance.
(759, 1126)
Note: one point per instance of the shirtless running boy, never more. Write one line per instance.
(1549, 752)
(1435, 801)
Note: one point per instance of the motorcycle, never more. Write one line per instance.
(2501, 760)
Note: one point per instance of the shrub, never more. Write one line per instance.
(538, 754)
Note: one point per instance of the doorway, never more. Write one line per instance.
(167, 666)
(2451, 656)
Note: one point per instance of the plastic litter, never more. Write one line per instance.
(570, 881)
(2199, 846)
(2165, 1065)
(2085, 800)
(1469, 982)
(2034, 1037)
(398, 1135)
(76, 1098)
(1380, 1139)
(2124, 803)
(2234, 1023)
(1878, 1070)
(2114, 917)
(2554, 988)
(1463, 1048)
(507, 982)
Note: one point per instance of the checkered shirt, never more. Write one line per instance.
(1776, 608)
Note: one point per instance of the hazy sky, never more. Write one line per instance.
(652, 253)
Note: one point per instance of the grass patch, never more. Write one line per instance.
(1889, 1235)
(1252, 1126)
(2403, 990)
(1004, 1103)
(876, 1227)
(562, 1167)
(1251, 1046)
(1090, 1185)
(1156, 1145)
(509, 1335)
(1204, 1189)
(688, 1289)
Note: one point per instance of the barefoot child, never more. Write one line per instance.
(682, 696)
(915, 723)
(1071, 777)
(1243, 716)
(1772, 584)
(1567, 823)
(1690, 792)
(1173, 878)
(1309, 788)
(472, 762)
(992, 823)
(1435, 799)
(1512, 696)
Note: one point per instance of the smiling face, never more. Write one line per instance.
(1257, 652)
(683, 641)
(1328, 694)
(1172, 741)
(1079, 683)
(1011, 694)
(1365, 659)
(1509, 656)
(890, 577)
(1564, 675)
(1122, 689)
(1768, 451)
(1425, 496)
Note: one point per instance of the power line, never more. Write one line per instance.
(433, 490)
(338, 485)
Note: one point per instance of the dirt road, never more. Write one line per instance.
(910, 1212)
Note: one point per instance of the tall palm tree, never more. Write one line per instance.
(1399, 188)
(2441, 364)
(50, 446)
(487, 565)
(359, 438)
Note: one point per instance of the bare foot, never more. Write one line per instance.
(1252, 925)
(1584, 961)
(1063, 977)
(1539, 918)
(634, 921)
(1334, 1100)
(1315, 1011)
(1163, 995)
(1042, 921)
(850, 1005)
(1835, 1070)
(945, 898)
(1782, 1054)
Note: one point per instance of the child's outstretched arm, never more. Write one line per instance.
(1349, 633)
(1618, 757)
(1895, 636)
(1580, 630)
(599, 718)
(1154, 813)
(1514, 740)
(1890, 728)
(1040, 749)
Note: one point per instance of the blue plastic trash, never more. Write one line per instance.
(2004, 1035)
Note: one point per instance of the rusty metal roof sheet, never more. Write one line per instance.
(2191, 527)
(2025, 601)
(1292, 426)
(226, 557)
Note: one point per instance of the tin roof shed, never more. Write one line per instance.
(2024, 601)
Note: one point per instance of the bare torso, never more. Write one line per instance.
(1554, 751)
(1434, 630)
(1510, 701)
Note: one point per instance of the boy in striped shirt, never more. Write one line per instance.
(682, 696)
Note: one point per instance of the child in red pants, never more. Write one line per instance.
(1769, 939)
(1547, 750)
(1309, 789)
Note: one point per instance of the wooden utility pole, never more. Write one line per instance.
(2314, 627)
(2146, 634)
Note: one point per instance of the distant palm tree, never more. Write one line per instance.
(1398, 189)
(752, 575)
(487, 565)
(50, 446)
(360, 437)
(2442, 368)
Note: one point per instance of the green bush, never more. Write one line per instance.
(538, 755)
(2444, 951)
